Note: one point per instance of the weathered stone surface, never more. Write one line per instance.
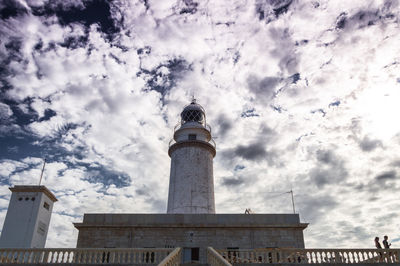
(191, 186)
(244, 231)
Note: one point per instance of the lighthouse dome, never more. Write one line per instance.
(193, 113)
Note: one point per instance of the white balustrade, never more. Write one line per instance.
(84, 256)
(173, 259)
(311, 256)
(215, 259)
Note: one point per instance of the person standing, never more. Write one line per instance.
(385, 242)
(377, 244)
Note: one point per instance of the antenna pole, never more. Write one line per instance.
(291, 192)
(41, 175)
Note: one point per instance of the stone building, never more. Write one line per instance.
(191, 221)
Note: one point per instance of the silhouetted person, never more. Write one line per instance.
(377, 244)
(385, 242)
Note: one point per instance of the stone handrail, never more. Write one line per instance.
(84, 255)
(215, 259)
(173, 259)
(311, 256)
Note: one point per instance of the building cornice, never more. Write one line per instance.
(203, 226)
(191, 143)
(42, 189)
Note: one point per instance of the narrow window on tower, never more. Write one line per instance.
(46, 206)
(192, 136)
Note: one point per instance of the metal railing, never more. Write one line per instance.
(173, 259)
(312, 256)
(140, 256)
(178, 126)
(211, 142)
(215, 259)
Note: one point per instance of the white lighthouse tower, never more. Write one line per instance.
(191, 184)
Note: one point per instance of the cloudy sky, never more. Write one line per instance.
(300, 95)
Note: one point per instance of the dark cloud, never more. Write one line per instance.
(11, 9)
(366, 18)
(335, 103)
(266, 133)
(144, 51)
(23, 112)
(157, 205)
(389, 175)
(280, 6)
(86, 13)
(48, 113)
(330, 169)
(117, 59)
(305, 135)
(314, 207)
(19, 141)
(232, 181)
(23, 116)
(383, 181)
(13, 47)
(253, 152)
(256, 150)
(264, 88)
(350, 229)
(142, 191)
(289, 62)
(64, 129)
(326, 157)
(322, 111)
(166, 75)
(395, 163)
(269, 10)
(74, 42)
(239, 167)
(249, 113)
(322, 177)
(190, 7)
(341, 20)
(367, 144)
(224, 124)
(295, 78)
(106, 176)
(302, 42)
(278, 109)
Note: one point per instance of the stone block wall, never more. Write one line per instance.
(243, 231)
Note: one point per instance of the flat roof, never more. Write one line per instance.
(205, 220)
(33, 188)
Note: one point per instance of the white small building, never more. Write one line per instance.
(28, 217)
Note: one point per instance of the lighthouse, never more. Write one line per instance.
(192, 149)
(191, 222)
